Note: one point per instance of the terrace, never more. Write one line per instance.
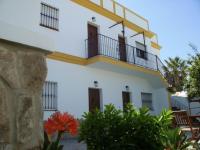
(111, 48)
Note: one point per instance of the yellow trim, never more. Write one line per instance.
(155, 45)
(83, 61)
(67, 58)
(126, 65)
(131, 11)
(97, 8)
(120, 64)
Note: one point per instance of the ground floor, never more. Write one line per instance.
(77, 89)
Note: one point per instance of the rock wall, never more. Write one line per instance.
(22, 74)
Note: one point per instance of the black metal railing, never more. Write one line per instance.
(111, 48)
(49, 96)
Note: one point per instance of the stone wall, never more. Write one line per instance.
(22, 74)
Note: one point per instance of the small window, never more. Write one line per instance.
(147, 100)
(49, 96)
(141, 50)
(49, 17)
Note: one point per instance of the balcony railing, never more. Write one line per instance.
(109, 47)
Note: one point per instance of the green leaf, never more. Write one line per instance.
(60, 147)
(46, 141)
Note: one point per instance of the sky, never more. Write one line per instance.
(177, 23)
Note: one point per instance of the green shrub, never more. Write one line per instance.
(128, 130)
(173, 139)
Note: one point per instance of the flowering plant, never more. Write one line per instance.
(58, 124)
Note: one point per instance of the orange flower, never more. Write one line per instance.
(61, 122)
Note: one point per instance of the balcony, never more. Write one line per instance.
(108, 47)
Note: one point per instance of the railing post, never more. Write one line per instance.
(124, 12)
(133, 55)
(101, 3)
(157, 62)
(114, 7)
(86, 48)
(99, 44)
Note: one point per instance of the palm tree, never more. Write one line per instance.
(175, 73)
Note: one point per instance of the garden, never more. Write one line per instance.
(131, 129)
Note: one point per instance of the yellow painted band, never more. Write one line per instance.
(67, 58)
(83, 61)
(155, 45)
(98, 9)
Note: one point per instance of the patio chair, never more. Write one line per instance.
(182, 120)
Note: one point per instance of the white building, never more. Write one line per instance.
(91, 65)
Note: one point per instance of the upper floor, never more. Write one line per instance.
(82, 29)
(63, 25)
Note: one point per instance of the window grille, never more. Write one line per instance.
(141, 50)
(49, 95)
(147, 100)
(49, 17)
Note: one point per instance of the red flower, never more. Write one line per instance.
(61, 122)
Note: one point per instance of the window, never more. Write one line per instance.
(126, 99)
(49, 95)
(147, 100)
(141, 50)
(49, 17)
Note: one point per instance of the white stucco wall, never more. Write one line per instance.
(22, 25)
(74, 81)
(162, 102)
(19, 22)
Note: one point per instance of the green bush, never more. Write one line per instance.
(175, 140)
(128, 130)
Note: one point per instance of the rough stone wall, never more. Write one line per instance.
(22, 74)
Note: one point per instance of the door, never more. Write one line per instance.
(92, 41)
(122, 48)
(126, 99)
(94, 99)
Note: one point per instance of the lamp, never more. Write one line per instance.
(127, 88)
(96, 84)
(93, 19)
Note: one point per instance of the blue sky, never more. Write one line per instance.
(177, 22)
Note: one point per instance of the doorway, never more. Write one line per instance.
(94, 99)
(92, 41)
(122, 48)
